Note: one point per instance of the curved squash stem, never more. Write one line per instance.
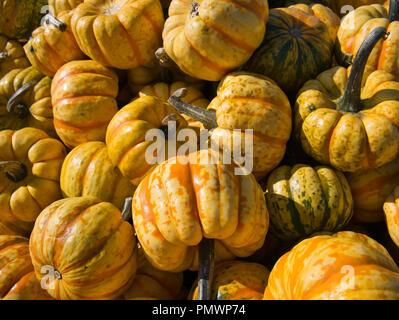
(4, 56)
(14, 170)
(350, 102)
(127, 209)
(14, 105)
(206, 254)
(207, 117)
(393, 10)
(50, 19)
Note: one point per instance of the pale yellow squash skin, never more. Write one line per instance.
(22, 202)
(219, 37)
(50, 48)
(251, 101)
(302, 200)
(341, 266)
(17, 279)
(391, 211)
(126, 134)
(88, 171)
(153, 283)
(370, 188)
(15, 59)
(57, 6)
(123, 34)
(358, 24)
(349, 141)
(83, 94)
(237, 280)
(89, 244)
(163, 91)
(178, 204)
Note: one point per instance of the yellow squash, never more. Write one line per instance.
(12, 56)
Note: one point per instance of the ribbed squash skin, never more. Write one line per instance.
(163, 91)
(102, 266)
(153, 283)
(182, 203)
(123, 34)
(126, 134)
(15, 59)
(341, 266)
(208, 38)
(17, 279)
(50, 48)
(83, 94)
(237, 280)
(357, 25)
(57, 6)
(298, 45)
(370, 188)
(349, 141)
(19, 17)
(391, 211)
(88, 171)
(251, 101)
(302, 200)
(22, 202)
(37, 100)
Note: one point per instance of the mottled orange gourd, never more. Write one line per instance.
(17, 279)
(208, 38)
(391, 210)
(88, 171)
(370, 188)
(57, 6)
(341, 266)
(83, 94)
(12, 56)
(51, 46)
(101, 267)
(30, 165)
(187, 198)
(123, 34)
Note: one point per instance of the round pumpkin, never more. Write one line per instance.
(237, 280)
(12, 56)
(92, 250)
(153, 283)
(247, 101)
(57, 6)
(391, 212)
(88, 171)
(187, 198)
(83, 94)
(164, 91)
(299, 44)
(350, 122)
(342, 266)
(357, 25)
(126, 133)
(370, 188)
(17, 279)
(19, 17)
(52, 45)
(207, 39)
(302, 200)
(30, 165)
(139, 77)
(123, 34)
(25, 101)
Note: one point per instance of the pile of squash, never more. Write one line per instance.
(313, 84)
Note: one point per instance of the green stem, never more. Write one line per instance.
(207, 117)
(393, 10)
(350, 101)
